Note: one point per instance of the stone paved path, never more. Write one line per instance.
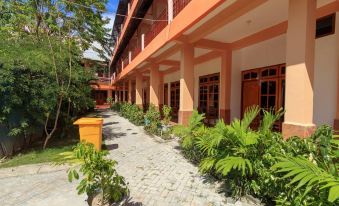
(156, 171)
(38, 185)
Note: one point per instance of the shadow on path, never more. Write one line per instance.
(110, 123)
(111, 146)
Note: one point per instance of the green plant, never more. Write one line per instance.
(132, 112)
(314, 173)
(188, 136)
(152, 120)
(241, 155)
(116, 106)
(109, 100)
(166, 111)
(99, 173)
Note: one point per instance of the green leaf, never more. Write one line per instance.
(70, 176)
(333, 193)
(75, 174)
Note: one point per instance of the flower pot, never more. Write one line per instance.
(96, 199)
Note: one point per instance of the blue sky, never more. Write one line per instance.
(111, 7)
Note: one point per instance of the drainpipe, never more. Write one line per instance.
(170, 10)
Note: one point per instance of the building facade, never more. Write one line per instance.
(222, 56)
(101, 87)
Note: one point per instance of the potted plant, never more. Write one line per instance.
(100, 180)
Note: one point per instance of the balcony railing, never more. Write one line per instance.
(104, 80)
(136, 51)
(126, 61)
(157, 26)
(178, 5)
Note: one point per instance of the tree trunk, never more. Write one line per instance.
(49, 135)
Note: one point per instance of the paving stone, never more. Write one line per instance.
(157, 174)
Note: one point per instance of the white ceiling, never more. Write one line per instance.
(252, 22)
(198, 52)
(164, 67)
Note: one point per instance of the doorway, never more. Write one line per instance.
(175, 99)
(264, 87)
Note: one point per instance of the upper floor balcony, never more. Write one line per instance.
(129, 44)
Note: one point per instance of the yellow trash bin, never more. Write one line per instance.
(90, 130)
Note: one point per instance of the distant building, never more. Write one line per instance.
(222, 56)
(101, 88)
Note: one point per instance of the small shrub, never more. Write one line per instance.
(152, 120)
(116, 106)
(188, 136)
(132, 112)
(109, 100)
(99, 173)
(166, 111)
(253, 161)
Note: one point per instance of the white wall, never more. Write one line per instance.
(325, 79)
(263, 54)
(172, 77)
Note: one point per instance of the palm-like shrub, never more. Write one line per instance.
(188, 136)
(315, 172)
(239, 153)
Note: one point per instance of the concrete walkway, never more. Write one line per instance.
(156, 172)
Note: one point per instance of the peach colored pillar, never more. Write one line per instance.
(186, 83)
(225, 86)
(124, 92)
(138, 90)
(129, 91)
(336, 120)
(300, 68)
(116, 95)
(154, 85)
(161, 90)
(109, 94)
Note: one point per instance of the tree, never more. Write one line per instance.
(61, 30)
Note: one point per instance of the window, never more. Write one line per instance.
(325, 26)
(175, 98)
(209, 97)
(166, 94)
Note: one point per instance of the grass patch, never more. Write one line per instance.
(36, 156)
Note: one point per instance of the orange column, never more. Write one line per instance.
(186, 83)
(300, 68)
(225, 86)
(138, 90)
(336, 120)
(154, 85)
(125, 84)
(161, 90)
(109, 93)
(129, 91)
(116, 95)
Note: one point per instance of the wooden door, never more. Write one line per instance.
(250, 95)
(166, 94)
(175, 99)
